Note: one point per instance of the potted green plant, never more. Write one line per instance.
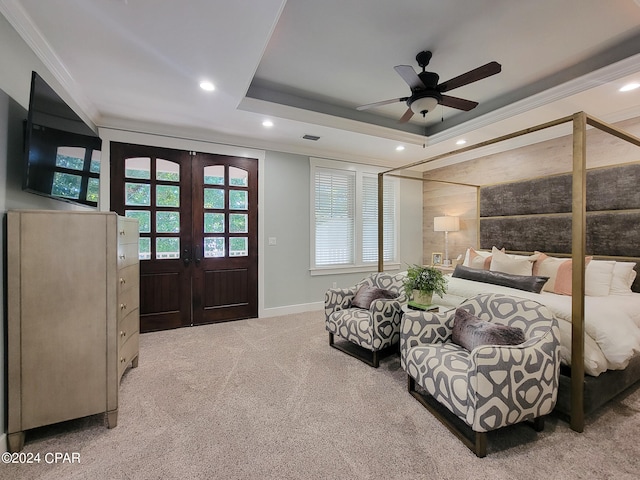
(422, 282)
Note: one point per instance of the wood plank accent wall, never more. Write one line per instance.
(543, 159)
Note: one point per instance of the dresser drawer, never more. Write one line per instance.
(127, 326)
(127, 352)
(128, 278)
(128, 302)
(127, 231)
(127, 254)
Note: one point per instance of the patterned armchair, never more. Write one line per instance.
(372, 329)
(490, 386)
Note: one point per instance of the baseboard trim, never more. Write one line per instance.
(3, 443)
(290, 309)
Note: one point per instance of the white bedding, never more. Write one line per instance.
(612, 323)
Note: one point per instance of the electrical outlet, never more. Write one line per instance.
(272, 241)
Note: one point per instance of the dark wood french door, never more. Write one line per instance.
(198, 232)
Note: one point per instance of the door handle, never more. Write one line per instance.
(186, 256)
(197, 255)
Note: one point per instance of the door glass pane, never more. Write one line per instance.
(137, 168)
(168, 222)
(238, 177)
(137, 194)
(213, 247)
(238, 200)
(214, 198)
(143, 217)
(167, 171)
(214, 223)
(167, 195)
(167, 248)
(238, 247)
(144, 250)
(238, 223)
(214, 175)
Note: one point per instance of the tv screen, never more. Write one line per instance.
(62, 153)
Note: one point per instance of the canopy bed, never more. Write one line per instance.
(583, 227)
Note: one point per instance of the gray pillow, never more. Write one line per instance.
(528, 283)
(367, 294)
(470, 332)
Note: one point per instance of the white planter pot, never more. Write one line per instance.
(422, 298)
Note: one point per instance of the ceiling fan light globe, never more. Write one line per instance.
(423, 105)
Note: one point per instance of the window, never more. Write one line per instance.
(345, 217)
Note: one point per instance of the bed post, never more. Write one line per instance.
(381, 222)
(578, 247)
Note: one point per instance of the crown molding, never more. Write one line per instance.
(23, 24)
(577, 85)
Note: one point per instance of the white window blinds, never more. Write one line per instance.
(370, 219)
(334, 217)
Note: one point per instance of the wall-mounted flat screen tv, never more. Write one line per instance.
(62, 153)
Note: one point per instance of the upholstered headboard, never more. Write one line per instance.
(536, 215)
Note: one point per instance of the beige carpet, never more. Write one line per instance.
(269, 399)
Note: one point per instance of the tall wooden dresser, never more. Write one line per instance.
(73, 317)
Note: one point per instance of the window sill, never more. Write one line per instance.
(338, 270)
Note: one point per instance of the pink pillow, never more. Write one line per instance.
(559, 271)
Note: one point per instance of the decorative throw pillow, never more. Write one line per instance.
(470, 332)
(501, 262)
(622, 279)
(528, 283)
(597, 278)
(366, 294)
(477, 258)
(559, 272)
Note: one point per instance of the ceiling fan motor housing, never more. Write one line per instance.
(430, 79)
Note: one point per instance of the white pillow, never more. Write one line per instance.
(622, 278)
(501, 262)
(597, 278)
(467, 256)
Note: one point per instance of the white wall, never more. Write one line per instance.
(289, 285)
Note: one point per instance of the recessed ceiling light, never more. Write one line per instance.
(267, 123)
(208, 86)
(629, 86)
(400, 148)
(461, 142)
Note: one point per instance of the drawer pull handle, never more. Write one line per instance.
(123, 333)
(121, 232)
(123, 306)
(122, 257)
(122, 360)
(122, 281)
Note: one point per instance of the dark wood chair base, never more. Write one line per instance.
(475, 441)
(371, 358)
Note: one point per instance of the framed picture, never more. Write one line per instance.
(436, 259)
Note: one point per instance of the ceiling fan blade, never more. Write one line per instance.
(459, 103)
(406, 117)
(410, 76)
(384, 102)
(479, 73)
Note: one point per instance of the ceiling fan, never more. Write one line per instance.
(427, 93)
